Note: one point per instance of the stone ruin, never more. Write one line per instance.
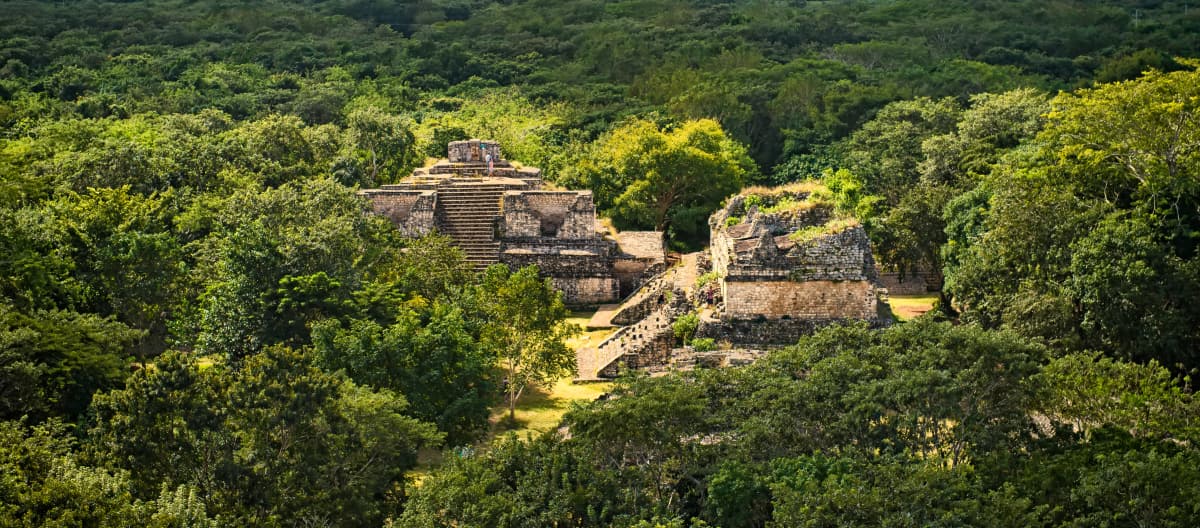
(498, 212)
(786, 265)
(780, 265)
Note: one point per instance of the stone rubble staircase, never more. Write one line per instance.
(630, 345)
(644, 300)
(650, 310)
(467, 214)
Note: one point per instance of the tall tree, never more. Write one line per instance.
(526, 328)
(668, 179)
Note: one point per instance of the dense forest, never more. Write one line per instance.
(201, 326)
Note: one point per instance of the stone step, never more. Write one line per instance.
(469, 210)
(461, 201)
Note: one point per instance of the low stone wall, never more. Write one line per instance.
(808, 300)
(766, 332)
(914, 283)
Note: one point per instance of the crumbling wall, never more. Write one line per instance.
(800, 300)
(473, 151)
(411, 211)
(549, 214)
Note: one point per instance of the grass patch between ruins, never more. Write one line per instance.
(907, 307)
(541, 410)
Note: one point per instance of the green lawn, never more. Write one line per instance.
(907, 307)
(539, 411)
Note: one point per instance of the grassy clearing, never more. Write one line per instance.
(907, 307)
(539, 410)
(589, 338)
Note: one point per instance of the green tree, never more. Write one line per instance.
(670, 180)
(1088, 237)
(383, 144)
(127, 260)
(427, 355)
(886, 151)
(1091, 392)
(274, 438)
(53, 361)
(526, 328)
(282, 259)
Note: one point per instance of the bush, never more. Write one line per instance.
(685, 327)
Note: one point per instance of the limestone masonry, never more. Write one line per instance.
(780, 265)
(498, 213)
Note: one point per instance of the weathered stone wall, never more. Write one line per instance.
(473, 151)
(776, 332)
(914, 283)
(800, 300)
(572, 263)
(411, 211)
(550, 214)
(845, 256)
(587, 290)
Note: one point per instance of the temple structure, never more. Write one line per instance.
(780, 265)
(500, 212)
(786, 265)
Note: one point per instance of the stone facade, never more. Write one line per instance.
(785, 264)
(472, 151)
(549, 214)
(496, 212)
(411, 211)
(786, 257)
(800, 300)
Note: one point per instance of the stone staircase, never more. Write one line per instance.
(642, 344)
(467, 214)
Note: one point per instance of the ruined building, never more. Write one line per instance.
(498, 212)
(780, 264)
(786, 264)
